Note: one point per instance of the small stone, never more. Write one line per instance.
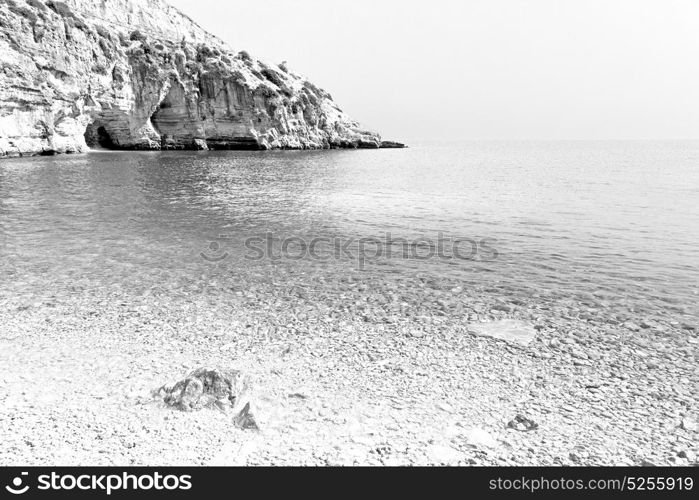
(480, 438)
(441, 454)
(245, 420)
(522, 423)
(688, 425)
(578, 353)
(445, 407)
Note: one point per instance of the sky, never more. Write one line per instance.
(484, 69)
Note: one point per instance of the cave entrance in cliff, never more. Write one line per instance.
(96, 136)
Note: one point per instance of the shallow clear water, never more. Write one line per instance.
(611, 228)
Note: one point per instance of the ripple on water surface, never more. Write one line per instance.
(603, 229)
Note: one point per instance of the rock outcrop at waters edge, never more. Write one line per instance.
(139, 74)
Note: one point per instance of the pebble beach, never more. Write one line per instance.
(394, 382)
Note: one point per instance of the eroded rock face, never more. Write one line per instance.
(138, 74)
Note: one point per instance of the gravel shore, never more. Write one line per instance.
(371, 378)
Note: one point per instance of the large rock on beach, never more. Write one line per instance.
(206, 388)
(510, 330)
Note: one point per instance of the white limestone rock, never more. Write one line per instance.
(510, 330)
(139, 74)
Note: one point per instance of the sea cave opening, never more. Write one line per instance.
(96, 136)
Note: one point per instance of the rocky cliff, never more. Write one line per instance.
(139, 74)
